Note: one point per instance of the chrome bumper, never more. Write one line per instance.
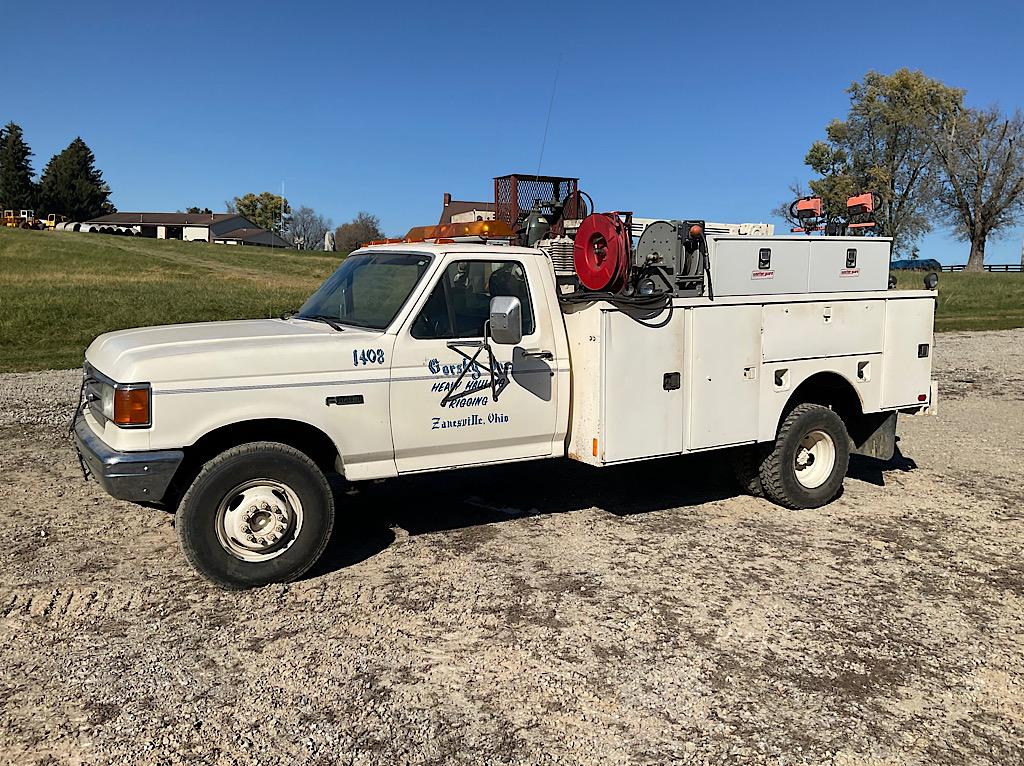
(135, 476)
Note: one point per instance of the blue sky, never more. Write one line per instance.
(668, 109)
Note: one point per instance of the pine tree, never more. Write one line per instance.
(71, 185)
(17, 190)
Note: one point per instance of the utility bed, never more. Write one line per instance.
(719, 373)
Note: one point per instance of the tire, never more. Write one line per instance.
(808, 463)
(256, 514)
(746, 467)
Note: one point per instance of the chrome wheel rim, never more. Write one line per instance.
(259, 520)
(815, 458)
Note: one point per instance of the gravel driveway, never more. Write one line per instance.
(539, 613)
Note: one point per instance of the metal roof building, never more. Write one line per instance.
(194, 227)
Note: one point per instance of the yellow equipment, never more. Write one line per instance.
(25, 219)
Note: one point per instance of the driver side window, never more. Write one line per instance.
(460, 303)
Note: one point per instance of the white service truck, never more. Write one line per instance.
(788, 353)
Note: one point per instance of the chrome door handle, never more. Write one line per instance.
(539, 353)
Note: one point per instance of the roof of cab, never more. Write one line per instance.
(468, 248)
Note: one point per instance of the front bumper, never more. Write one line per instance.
(135, 476)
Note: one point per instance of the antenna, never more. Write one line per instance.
(547, 120)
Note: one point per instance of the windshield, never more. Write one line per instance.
(367, 290)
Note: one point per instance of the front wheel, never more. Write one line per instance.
(256, 514)
(808, 463)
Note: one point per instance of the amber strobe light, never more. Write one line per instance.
(131, 406)
(485, 229)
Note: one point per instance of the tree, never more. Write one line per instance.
(981, 153)
(200, 210)
(72, 185)
(361, 229)
(17, 190)
(308, 229)
(266, 210)
(885, 146)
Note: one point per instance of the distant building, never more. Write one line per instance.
(461, 211)
(252, 235)
(227, 228)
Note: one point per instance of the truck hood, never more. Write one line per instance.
(223, 350)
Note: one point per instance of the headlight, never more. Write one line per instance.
(107, 400)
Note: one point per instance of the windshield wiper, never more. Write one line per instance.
(333, 322)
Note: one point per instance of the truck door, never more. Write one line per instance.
(448, 411)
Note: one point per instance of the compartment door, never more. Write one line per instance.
(907, 361)
(641, 388)
(828, 328)
(724, 344)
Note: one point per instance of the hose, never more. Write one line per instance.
(640, 308)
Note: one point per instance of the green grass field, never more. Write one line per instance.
(973, 301)
(60, 290)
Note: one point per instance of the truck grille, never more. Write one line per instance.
(93, 391)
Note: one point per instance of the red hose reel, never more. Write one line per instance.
(601, 253)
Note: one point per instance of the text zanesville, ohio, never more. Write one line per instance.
(471, 420)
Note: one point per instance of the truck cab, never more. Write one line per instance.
(385, 370)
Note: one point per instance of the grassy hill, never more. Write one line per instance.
(973, 301)
(60, 290)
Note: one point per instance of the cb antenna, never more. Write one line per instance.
(547, 120)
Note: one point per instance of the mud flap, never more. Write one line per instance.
(874, 436)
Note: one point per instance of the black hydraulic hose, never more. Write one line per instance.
(640, 308)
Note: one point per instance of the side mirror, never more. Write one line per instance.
(506, 320)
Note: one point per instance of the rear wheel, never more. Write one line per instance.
(256, 514)
(808, 463)
(746, 467)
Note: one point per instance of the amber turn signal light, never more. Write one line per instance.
(131, 406)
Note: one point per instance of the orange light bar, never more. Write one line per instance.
(131, 406)
(484, 229)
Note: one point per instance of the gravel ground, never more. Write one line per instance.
(539, 613)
